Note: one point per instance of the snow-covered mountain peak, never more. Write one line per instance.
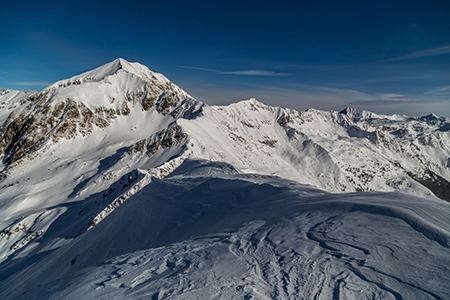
(127, 105)
(431, 118)
(251, 104)
(251, 101)
(117, 66)
(91, 102)
(130, 112)
(357, 115)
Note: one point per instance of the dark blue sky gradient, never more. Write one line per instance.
(384, 56)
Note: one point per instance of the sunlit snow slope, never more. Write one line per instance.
(77, 153)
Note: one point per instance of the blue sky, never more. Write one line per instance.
(383, 56)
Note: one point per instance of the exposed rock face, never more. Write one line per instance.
(166, 138)
(42, 121)
(437, 184)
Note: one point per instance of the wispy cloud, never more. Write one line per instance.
(30, 83)
(255, 73)
(392, 102)
(445, 90)
(197, 68)
(418, 54)
(353, 97)
(394, 97)
(390, 99)
(241, 72)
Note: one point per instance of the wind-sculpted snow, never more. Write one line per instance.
(212, 233)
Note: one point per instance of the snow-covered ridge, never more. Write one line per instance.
(351, 150)
(125, 105)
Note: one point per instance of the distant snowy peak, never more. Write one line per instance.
(433, 119)
(357, 115)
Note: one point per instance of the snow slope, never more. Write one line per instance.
(209, 232)
(11, 99)
(73, 154)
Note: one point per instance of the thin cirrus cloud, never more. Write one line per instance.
(390, 99)
(355, 97)
(243, 72)
(394, 97)
(445, 90)
(255, 73)
(37, 83)
(418, 54)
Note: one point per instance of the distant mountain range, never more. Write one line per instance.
(118, 171)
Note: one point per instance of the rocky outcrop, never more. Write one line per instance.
(27, 132)
(166, 138)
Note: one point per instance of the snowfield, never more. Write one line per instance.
(117, 183)
(209, 232)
